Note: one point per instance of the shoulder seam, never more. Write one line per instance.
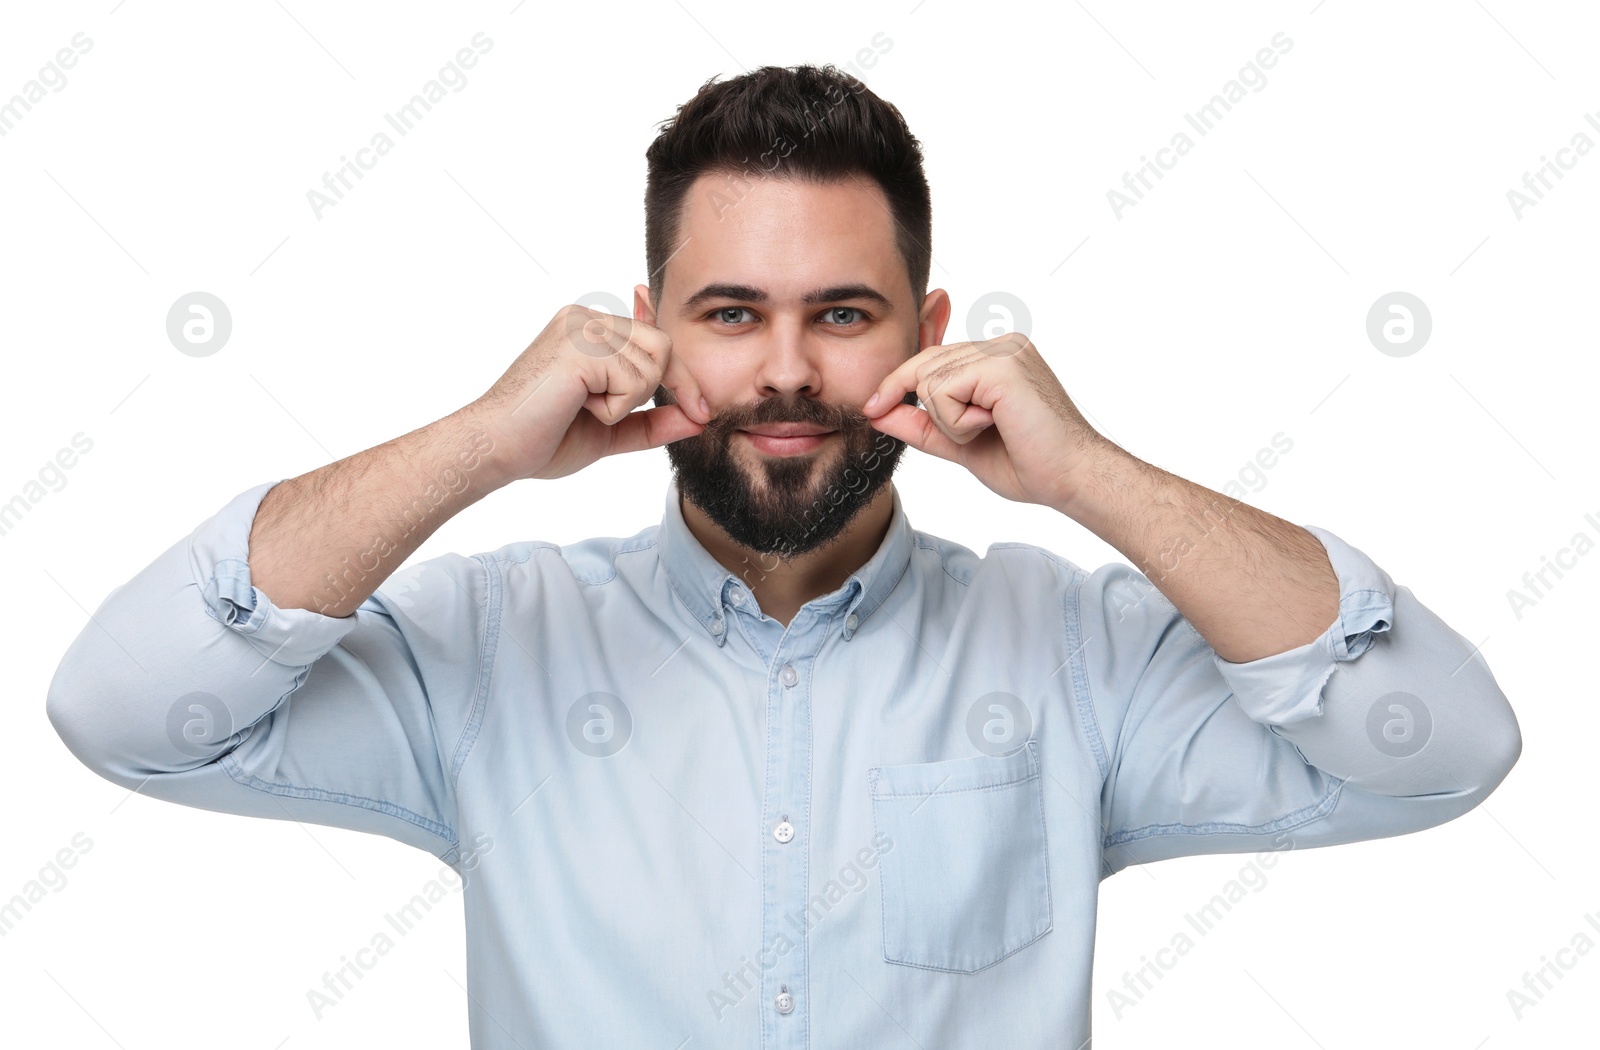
(488, 638)
(1083, 701)
(917, 543)
(527, 547)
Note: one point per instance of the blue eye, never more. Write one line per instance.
(839, 310)
(735, 310)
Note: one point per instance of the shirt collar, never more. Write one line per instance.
(704, 585)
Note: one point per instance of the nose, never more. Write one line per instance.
(790, 361)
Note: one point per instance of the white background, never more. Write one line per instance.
(1227, 306)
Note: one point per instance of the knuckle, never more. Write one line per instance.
(651, 338)
(574, 314)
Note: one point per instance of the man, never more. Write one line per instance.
(782, 771)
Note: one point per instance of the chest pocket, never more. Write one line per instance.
(966, 882)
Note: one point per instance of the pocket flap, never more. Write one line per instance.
(955, 774)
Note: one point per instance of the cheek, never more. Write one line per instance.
(715, 385)
(723, 392)
(864, 378)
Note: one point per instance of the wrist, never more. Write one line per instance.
(1102, 473)
(470, 454)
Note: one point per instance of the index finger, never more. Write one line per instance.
(903, 379)
(685, 389)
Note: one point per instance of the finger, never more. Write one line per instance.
(904, 378)
(630, 379)
(650, 349)
(613, 381)
(618, 367)
(592, 333)
(685, 389)
(949, 401)
(894, 387)
(917, 429)
(651, 428)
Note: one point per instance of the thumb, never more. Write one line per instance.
(916, 428)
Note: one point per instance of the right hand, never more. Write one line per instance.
(569, 398)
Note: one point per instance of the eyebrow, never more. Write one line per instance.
(749, 293)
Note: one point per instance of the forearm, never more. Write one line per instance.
(327, 539)
(1251, 584)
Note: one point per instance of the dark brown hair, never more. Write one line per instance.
(802, 122)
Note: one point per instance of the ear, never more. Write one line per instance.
(642, 310)
(932, 320)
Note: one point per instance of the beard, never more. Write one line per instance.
(784, 506)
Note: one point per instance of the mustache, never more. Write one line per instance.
(843, 418)
(833, 417)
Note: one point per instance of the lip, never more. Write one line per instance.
(777, 445)
(786, 430)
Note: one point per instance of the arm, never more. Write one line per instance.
(1252, 584)
(327, 539)
(1208, 697)
(191, 686)
(1352, 712)
(190, 683)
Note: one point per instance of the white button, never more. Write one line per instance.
(784, 1001)
(789, 675)
(851, 621)
(716, 625)
(783, 832)
(737, 597)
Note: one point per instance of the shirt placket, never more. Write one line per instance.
(786, 816)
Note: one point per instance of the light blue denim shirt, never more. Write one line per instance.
(680, 823)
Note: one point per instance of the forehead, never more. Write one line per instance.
(787, 236)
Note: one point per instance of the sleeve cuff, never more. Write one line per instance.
(1286, 687)
(218, 555)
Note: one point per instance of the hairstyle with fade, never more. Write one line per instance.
(802, 122)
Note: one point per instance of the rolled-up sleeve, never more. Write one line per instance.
(188, 684)
(1388, 722)
(1287, 687)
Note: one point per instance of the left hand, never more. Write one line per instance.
(996, 408)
